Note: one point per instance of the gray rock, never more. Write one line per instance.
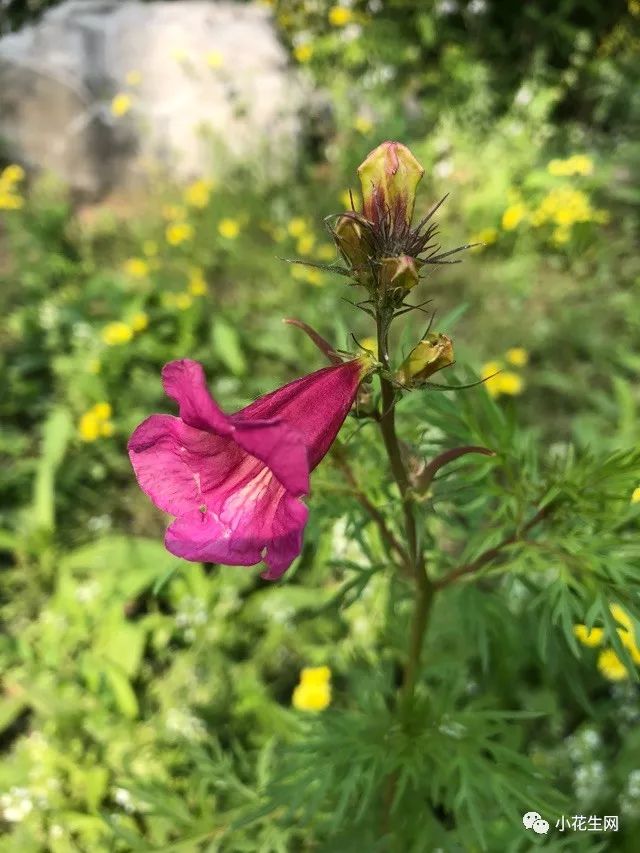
(214, 86)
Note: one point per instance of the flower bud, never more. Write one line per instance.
(389, 177)
(351, 242)
(430, 355)
(398, 273)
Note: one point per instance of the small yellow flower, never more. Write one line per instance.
(136, 268)
(121, 104)
(10, 201)
(297, 226)
(139, 321)
(117, 333)
(313, 693)
(102, 411)
(89, 427)
(339, 16)
(589, 637)
(510, 383)
(95, 423)
(183, 301)
(178, 232)
(635, 495)
(150, 248)
(513, 216)
(611, 666)
(133, 77)
(12, 174)
(179, 54)
(229, 228)
(214, 59)
(363, 125)
(303, 52)
(305, 244)
(491, 381)
(197, 194)
(197, 284)
(517, 356)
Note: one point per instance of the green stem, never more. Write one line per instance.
(424, 587)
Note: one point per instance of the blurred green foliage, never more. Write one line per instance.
(146, 703)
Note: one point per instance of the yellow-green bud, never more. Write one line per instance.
(389, 177)
(350, 240)
(398, 273)
(430, 355)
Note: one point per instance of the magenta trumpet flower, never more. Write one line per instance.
(234, 482)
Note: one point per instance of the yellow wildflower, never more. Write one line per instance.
(179, 54)
(577, 164)
(517, 356)
(229, 228)
(492, 382)
(150, 248)
(305, 244)
(95, 423)
(297, 226)
(510, 383)
(363, 124)
(339, 16)
(121, 104)
(89, 427)
(183, 301)
(197, 194)
(139, 321)
(484, 237)
(102, 411)
(12, 174)
(178, 232)
(588, 637)
(626, 633)
(133, 77)
(513, 216)
(214, 59)
(303, 52)
(197, 284)
(117, 333)
(313, 693)
(635, 495)
(136, 268)
(611, 666)
(10, 201)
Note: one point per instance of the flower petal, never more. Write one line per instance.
(274, 522)
(180, 467)
(315, 405)
(184, 381)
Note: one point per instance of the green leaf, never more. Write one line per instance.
(226, 345)
(55, 438)
(123, 692)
